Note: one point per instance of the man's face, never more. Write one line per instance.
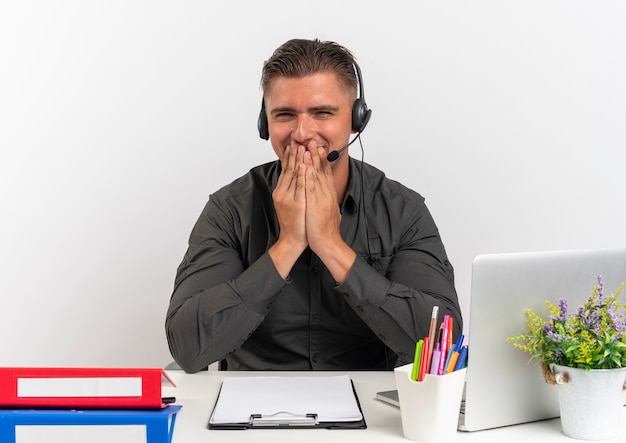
(312, 111)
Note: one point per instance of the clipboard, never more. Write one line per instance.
(328, 402)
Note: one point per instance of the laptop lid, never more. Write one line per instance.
(502, 388)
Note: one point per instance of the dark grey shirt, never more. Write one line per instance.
(230, 303)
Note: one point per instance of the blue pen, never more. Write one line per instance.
(460, 363)
(459, 343)
(455, 348)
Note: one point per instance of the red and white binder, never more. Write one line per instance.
(103, 388)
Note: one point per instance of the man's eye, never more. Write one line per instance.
(324, 114)
(283, 115)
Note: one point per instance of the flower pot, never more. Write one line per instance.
(590, 402)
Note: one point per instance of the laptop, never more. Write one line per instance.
(502, 387)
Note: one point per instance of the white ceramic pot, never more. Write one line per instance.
(590, 402)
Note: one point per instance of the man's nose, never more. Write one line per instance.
(304, 129)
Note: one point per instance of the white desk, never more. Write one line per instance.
(197, 394)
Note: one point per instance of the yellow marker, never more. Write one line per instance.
(452, 363)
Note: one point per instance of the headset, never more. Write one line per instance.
(360, 112)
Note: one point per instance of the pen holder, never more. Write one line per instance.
(430, 408)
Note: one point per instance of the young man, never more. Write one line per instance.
(315, 261)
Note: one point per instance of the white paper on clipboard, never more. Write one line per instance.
(331, 398)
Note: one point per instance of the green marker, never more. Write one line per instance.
(416, 360)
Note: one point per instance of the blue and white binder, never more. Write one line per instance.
(159, 424)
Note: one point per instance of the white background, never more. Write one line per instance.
(118, 118)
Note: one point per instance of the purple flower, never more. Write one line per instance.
(600, 288)
(594, 319)
(552, 335)
(617, 322)
(563, 307)
(562, 311)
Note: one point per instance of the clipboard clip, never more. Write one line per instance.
(283, 418)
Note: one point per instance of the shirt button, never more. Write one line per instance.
(381, 337)
(316, 269)
(315, 358)
(316, 318)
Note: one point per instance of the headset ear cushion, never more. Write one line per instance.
(262, 123)
(360, 115)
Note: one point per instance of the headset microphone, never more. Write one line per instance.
(334, 155)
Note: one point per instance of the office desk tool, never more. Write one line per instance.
(429, 408)
(159, 423)
(40, 387)
(256, 402)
